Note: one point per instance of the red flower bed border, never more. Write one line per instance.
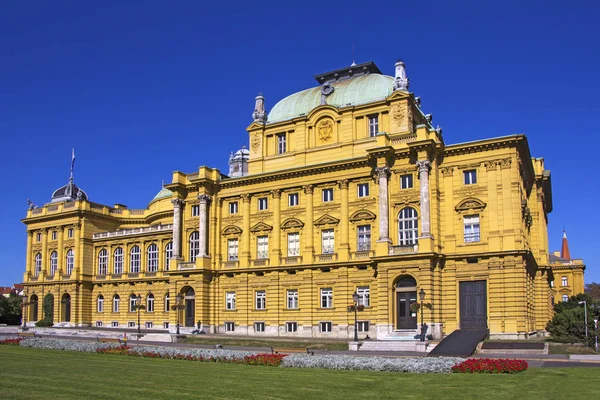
(490, 366)
(270, 360)
(11, 341)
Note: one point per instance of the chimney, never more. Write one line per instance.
(564, 251)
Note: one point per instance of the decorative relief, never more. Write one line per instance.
(399, 115)
(423, 165)
(325, 130)
(231, 220)
(505, 163)
(362, 215)
(231, 230)
(255, 140)
(447, 171)
(470, 191)
(343, 184)
(326, 220)
(292, 223)
(261, 227)
(308, 189)
(276, 193)
(494, 164)
(363, 203)
(327, 208)
(469, 205)
(491, 165)
(382, 172)
(246, 198)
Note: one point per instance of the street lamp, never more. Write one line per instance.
(179, 300)
(596, 328)
(139, 306)
(585, 316)
(422, 297)
(24, 303)
(355, 300)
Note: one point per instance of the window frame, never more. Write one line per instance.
(363, 233)
(564, 281)
(408, 227)
(194, 243)
(472, 228)
(38, 264)
(152, 258)
(281, 143)
(326, 297)
(373, 124)
(470, 177)
(260, 300)
(233, 207)
(328, 241)
(233, 244)
(327, 195)
(260, 324)
(363, 326)
(293, 244)
(100, 303)
(229, 326)
(364, 295)
(263, 204)
(230, 301)
(262, 247)
(168, 255)
(53, 263)
(118, 261)
(103, 262)
(325, 327)
(293, 199)
(292, 301)
(70, 261)
(291, 326)
(406, 181)
(116, 301)
(362, 190)
(195, 210)
(134, 260)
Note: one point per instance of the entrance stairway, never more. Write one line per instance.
(460, 343)
(405, 340)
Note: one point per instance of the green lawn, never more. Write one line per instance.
(312, 344)
(46, 374)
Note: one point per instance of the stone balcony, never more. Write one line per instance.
(327, 257)
(133, 231)
(403, 249)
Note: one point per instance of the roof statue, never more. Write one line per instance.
(259, 115)
(401, 81)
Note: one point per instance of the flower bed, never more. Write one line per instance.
(415, 365)
(67, 345)
(14, 341)
(490, 366)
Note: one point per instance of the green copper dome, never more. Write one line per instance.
(354, 91)
(163, 194)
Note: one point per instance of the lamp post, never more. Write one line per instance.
(139, 306)
(24, 303)
(422, 297)
(585, 320)
(596, 328)
(179, 299)
(355, 300)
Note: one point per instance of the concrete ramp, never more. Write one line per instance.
(460, 343)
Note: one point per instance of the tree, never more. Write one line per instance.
(48, 307)
(10, 309)
(593, 290)
(568, 323)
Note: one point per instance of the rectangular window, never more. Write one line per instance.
(262, 250)
(54, 235)
(363, 326)
(232, 250)
(406, 181)
(229, 326)
(293, 244)
(281, 143)
(363, 190)
(165, 325)
(471, 228)
(195, 211)
(326, 298)
(551, 283)
(292, 299)
(373, 125)
(132, 304)
(470, 177)
(70, 233)
(564, 281)
(150, 303)
(291, 327)
(98, 323)
(263, 204)
(327, 241)
(149, 325)
(325, 327)
(364, 294)
(327, 195)
(364, 237)
(131, 324)
(114, 324)
(259, 327)
(230, 300)
(38, 237)
(116, 301)
(261, 300)
(233, 207)
(100, 304)
(292, 199)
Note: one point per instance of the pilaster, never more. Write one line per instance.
(343, 250)
(426, 238)
(384, 241)
(309, 249)
(275, 251)
(244, 259)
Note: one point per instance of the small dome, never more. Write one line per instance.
(242, 152)
(69, 192)
(163, 194)
(359, 90)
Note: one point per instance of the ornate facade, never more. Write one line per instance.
(345, 188)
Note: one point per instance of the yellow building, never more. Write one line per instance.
(568, 273)
(345, 188)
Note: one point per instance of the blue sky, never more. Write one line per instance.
(143, 88)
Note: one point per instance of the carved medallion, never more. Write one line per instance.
(398, 114)
(325, 130)
(255, 141)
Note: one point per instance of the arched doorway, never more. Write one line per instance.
(33, 308)
(190, 307)
(65, 312)
(405, 291)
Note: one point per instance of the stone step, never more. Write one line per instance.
(396, 345)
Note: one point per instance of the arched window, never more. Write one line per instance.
(408, 226)
(103, 262)
(118, 261)
(132, 303)
(70, 261)
(565, 298)
(53, 263)
(194, 245)
(38, 264)
(168, 255)
(116, 301)
(152, 258)
(167, 302)
(100, 303)
(150, 303)
(134, 260)
(33, 308)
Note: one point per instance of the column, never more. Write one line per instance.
(28, 268)
(276, 246)
(60, 266)
(344, 248)
(424, 168)
(384, 214)
(202, 225)
(177, 204)
(77, 256)
(245, 258)
(45, 260)
(309, 249)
